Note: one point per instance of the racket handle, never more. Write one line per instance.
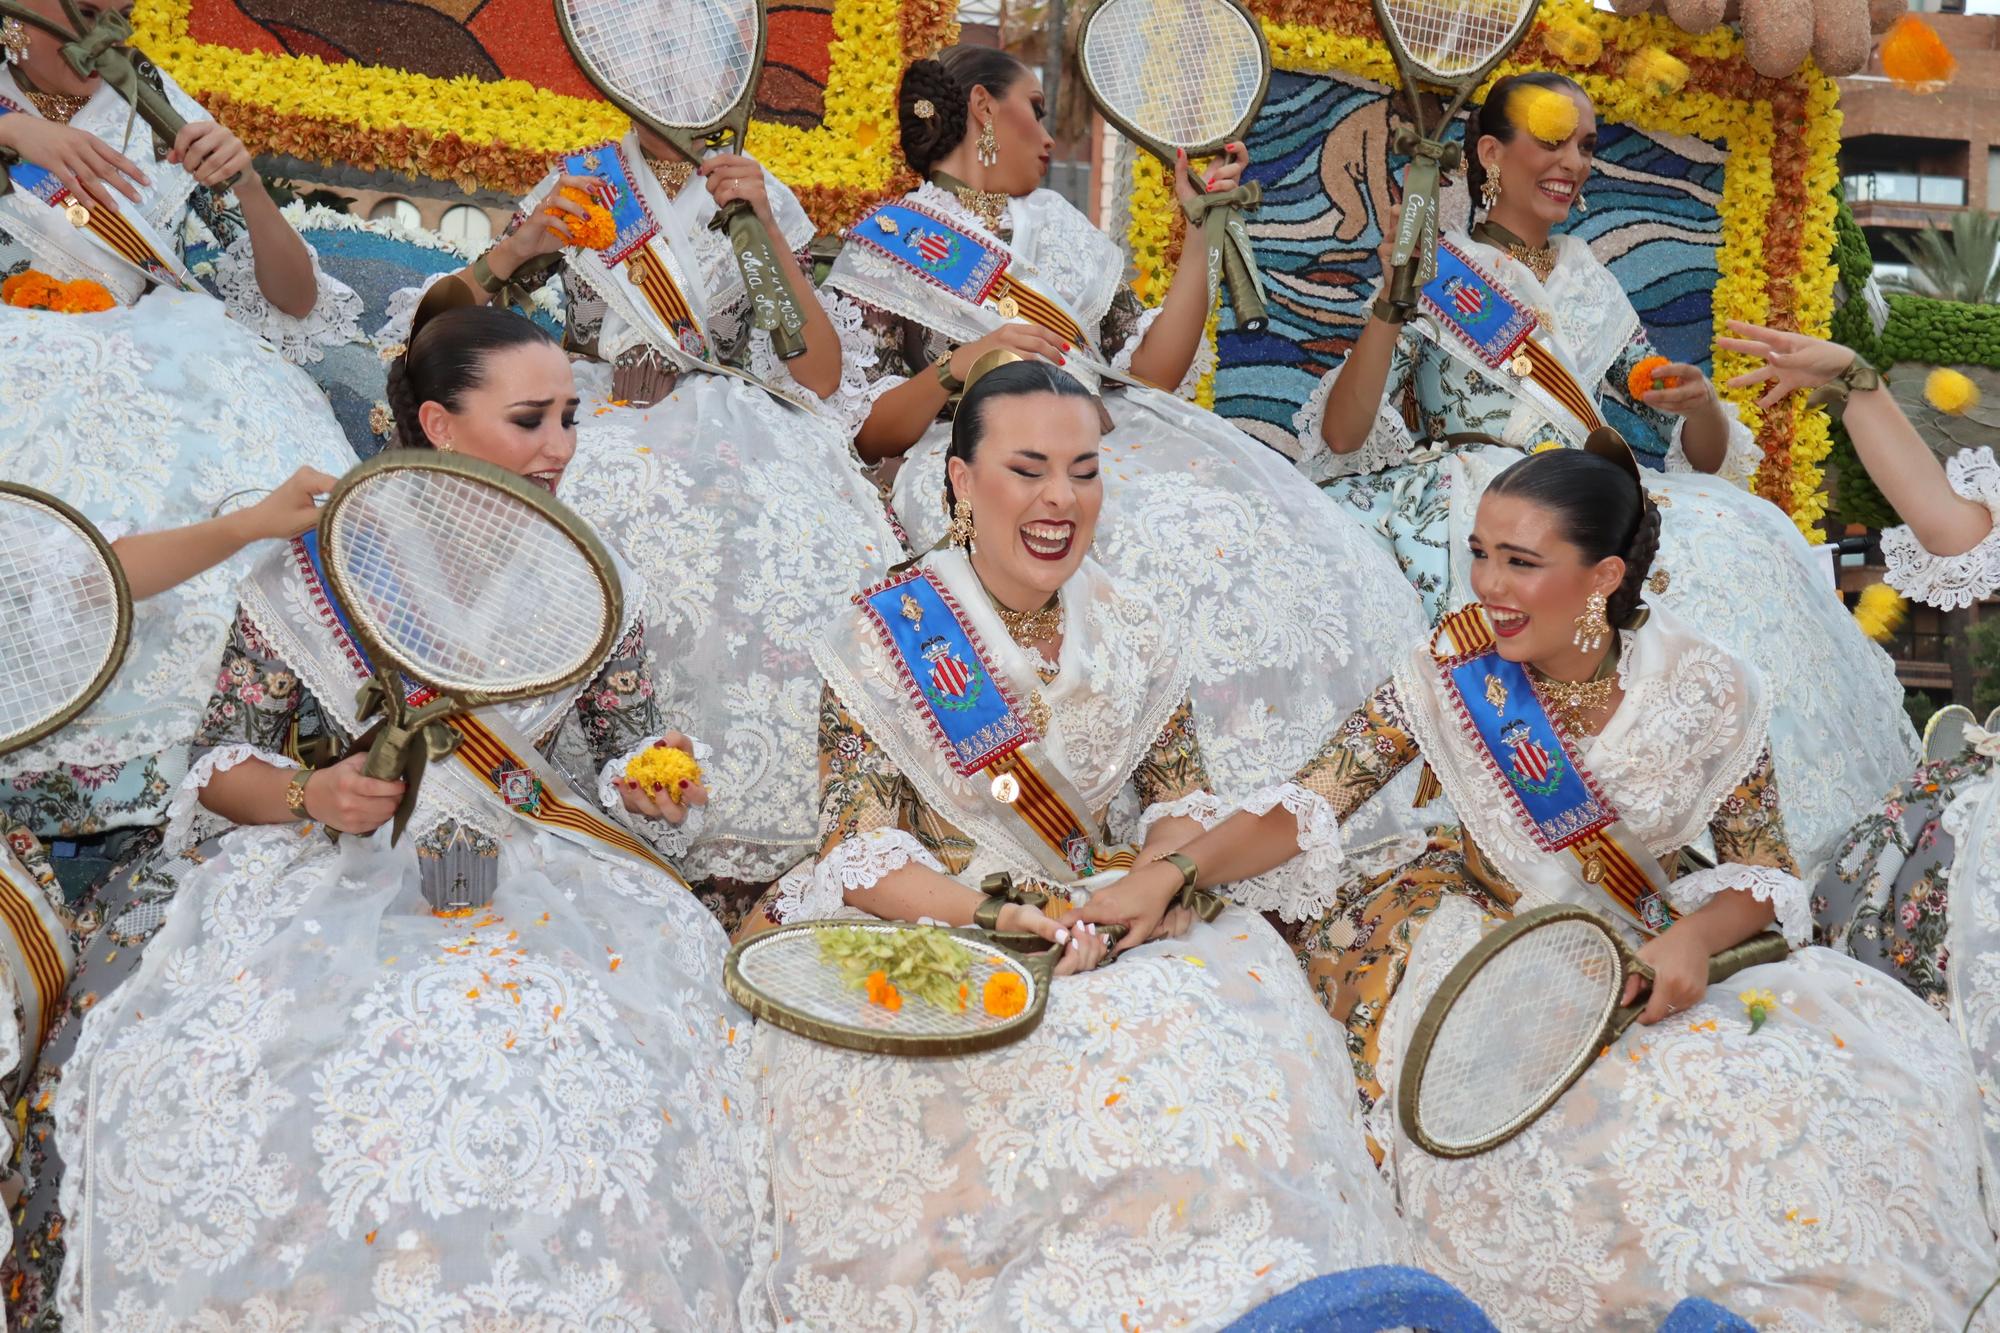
(1764, 947)
(1244, 298)
(776, 307)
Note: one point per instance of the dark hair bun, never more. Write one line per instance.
(926, 138)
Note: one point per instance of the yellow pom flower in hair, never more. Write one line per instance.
(1880, 612)
(1543, 112)
(1573, 42)
(1656, 71)
(662, 769)
(1950, 392)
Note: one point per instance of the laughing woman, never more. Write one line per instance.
(1174, 1143)
(1820, 1169)
(308, 1101)
(1408, 431)
(1284, 610)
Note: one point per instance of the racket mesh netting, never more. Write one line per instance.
(469, 587)
(685, 62)
(789, 969)
(1185, 72)
(1450, 38)
(58, 615)
(1530, 1017)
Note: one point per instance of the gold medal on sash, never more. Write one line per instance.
(1006, 789)
(1008, 307)
(1521, 366)
(78, 215)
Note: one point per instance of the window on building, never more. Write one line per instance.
(396, 210)
(466, 224)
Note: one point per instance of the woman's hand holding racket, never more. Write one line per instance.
(1680, 975)
(733, 177)
(1030, 340)
(1142, 903)
(1223, 174)
(212, 154)
(290, 509)
(342, 797)
(1084, 945)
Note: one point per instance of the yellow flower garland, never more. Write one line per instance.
(1724, 101)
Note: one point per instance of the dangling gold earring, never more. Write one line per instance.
(13, 41)
(960, 531)
(1591, 626)
(1489, 189)
(988, 147)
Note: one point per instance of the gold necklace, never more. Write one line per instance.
(1028, 628)
(989, 206)
(58, 107)
(672, 176)
(1540, 259)
(1573, 702)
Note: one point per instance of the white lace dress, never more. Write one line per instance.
(1287, 613)
(151, 415)
(1728, 561)
(750, 519)
(1824, 1171)
(1172, 1146)
(315, 1104)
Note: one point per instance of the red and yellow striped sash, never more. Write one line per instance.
(44, 957)
(1038, 308)
(1611, 868)
(1560, 384)
(652, 278)
(1049, 815)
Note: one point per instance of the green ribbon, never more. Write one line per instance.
(405, 741)
(1219, 216)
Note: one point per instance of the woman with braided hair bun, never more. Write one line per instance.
(1427, 407)
(1802, 1143)
(1286, 609)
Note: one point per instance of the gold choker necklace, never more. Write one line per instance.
(1028, 628)
(672, 176)
(1540, 259)
(989, 206)
(58, 107)
(1573, 703)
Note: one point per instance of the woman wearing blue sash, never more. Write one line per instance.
(1820, 1169)
(700, 457)
(1174, 1143)
(1915, 887)
(147, 393)
(1515, 347)
(1283, 613)
(291, 1095)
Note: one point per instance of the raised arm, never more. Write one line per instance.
(156, 561)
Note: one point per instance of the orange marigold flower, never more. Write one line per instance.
(82, 297)
(595, 230)
(1915, 57)
(1005, 995)
(881, 991)
(1640, 381)
(30, 290)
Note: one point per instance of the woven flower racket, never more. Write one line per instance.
(65, 615)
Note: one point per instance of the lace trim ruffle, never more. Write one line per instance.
(334, 320)
(185, 808)
(669, 839)
(1305, 887)
(854, 398)
(817, 892)
(1951, 582)
(1204, 355)
(1785, 892)
(1740, 456)
(1204, 807)
(1389, 441)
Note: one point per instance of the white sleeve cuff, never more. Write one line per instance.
(854, 398)
(669, 839)
(1201, 806)
(185, 807)
(1304, 888)
(334, 320)
(1785, 892)
(1202, 364)
(815, 892)
(1951, 582)
(1389, 440)
(1740, 455)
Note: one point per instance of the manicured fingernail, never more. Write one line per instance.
(1062, 936)
(1062, 360)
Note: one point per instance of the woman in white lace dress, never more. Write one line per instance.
(1284, 610)
(310, 1102)
(703, 459)
(1915, 888)
(1173, 1144)
(1823, 1170)
(156, 411)
(1519, 341)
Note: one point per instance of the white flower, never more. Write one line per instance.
(407, 1241)
(583, 1239)
(310, 927)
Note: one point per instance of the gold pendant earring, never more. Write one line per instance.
(1489, 189)
(13, 41)
(1591, 626)
(960, 531)
(988, 147)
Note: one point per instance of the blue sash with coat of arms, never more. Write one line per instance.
(944, 255)
(967, 709)
(1488, 320)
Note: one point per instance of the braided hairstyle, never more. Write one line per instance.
(1490, 117)
(946, 82)
(1602, 509)
(447, 356)
(1016, 379)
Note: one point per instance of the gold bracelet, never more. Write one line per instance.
(295, 792)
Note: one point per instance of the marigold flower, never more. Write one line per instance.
(1759, 1005)
(882, 992)
(1950, 391)
(81, 297)
(1005, 995)
(1548, 115)
(30, 290)
(1915, 58)
(1640, 381)
(595, 230)
(663, 768)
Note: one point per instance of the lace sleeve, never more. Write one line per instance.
(1124, 324)
(1951, 582)
(1389, 441)
(1740, 457)
(618, 710)
(1204, 349)
(1753, 855)
(334, 320)
(878, 352)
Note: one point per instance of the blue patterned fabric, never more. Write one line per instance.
(1366, 1300)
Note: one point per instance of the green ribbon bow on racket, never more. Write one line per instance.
(405, 740)
(1220, 218)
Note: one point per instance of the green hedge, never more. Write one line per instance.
(1941, 333)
